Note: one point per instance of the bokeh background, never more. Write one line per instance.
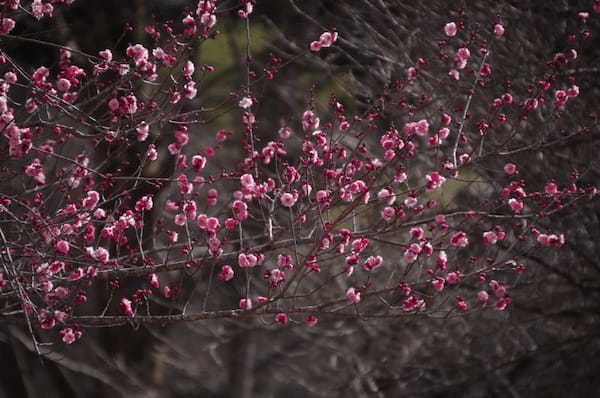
(545, 345)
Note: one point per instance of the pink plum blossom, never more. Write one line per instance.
(450, 29)
(353, 295)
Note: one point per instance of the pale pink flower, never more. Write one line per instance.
(353, 295)
(422, 127)
(91, 200)
(328, 38)
(101, 254)
(152, 153)
(322, 196)
(247, 260)
(190, 90)
(461, 304)
(498, 30)
(125, 306)
(450, 29)
(188, 68)
(490, 238)
(62, 246)
(69, 336)
(551, 240)
(137, 52)
(463, 53)
(410, 202)
(288, 199)
(412, 73)
(179, 219)
(63, 84)
(483, 297)
(388, 213)
(106, 55)
(386, 195)
(142, 131)
(434, 180)
(246, 304)
(453, 278)
(245, 103)
(412, 253)
(573, 91)
(276, 277)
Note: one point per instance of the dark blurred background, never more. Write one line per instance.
(546, 345)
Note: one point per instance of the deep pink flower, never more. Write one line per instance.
(483, 297)
(288, 199)
(144, 203)
(282, 318)
(62, 246)
(434, 180)
(515, 204)
(125, 306)
(490, 237)
(372, 263)
(69, 336)
(463, 54)
(498, 30)
(459, 239)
